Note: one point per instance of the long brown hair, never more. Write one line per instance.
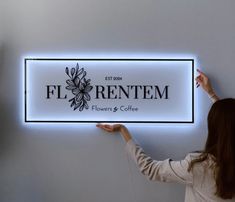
(221, 144)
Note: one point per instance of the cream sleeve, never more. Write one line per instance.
(165, 171)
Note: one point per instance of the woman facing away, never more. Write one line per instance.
(208, 175)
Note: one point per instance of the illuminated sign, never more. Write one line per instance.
(109, 90)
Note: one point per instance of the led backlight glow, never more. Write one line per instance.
(36, 112)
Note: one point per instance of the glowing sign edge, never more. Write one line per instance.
(109, 59)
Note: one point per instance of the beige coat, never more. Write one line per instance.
(200, 183)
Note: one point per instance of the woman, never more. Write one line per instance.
(208, 175)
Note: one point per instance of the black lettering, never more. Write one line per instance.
(147, 92)
(100, 91)
(50, 92)
(59, 93)
(111, 91)
(121, 89)
(161, 94)
(136, 91)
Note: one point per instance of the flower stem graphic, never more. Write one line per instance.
(79, 86)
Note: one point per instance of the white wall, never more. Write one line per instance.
(70, 163)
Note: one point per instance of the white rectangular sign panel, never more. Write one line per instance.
(109, 90)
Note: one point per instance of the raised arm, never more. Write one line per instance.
(165, 171)
(203, 81)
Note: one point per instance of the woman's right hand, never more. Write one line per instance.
(116, 128)
(110, 128)
(203, 81)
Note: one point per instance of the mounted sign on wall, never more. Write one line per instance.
(109, 90)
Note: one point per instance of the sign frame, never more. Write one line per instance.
(26, 120)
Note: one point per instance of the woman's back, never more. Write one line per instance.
(203, 187)
(200, 180)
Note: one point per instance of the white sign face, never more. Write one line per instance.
(109, 90)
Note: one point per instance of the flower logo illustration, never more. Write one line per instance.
(80, 87)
